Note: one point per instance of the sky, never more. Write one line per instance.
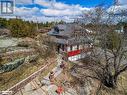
(56, 10)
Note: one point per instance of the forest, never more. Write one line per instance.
(21, 28)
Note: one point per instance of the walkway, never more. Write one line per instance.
(57, 70)
(35, 88)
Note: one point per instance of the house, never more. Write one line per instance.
(71, 40)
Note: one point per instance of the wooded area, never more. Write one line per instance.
(21, 28)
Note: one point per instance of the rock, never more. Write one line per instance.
(44, 30)
(31, 58)
(27, 42)
(5, 32)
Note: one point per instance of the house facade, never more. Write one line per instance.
(71, 41)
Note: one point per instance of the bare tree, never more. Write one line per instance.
(108, 58)
(45, 46)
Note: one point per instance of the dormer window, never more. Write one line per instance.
(56, 29)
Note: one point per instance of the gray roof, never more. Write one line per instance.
(72, 41)
(81, 40)
(66, 30)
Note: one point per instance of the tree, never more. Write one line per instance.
(3, 23)
(107, 60)
(18, 27)
(45, 46)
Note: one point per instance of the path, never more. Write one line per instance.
(57, 70)
(34, 87)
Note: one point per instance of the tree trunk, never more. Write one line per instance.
(110, 81)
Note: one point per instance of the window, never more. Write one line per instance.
(69, 58)
(70, 48)
(62, 47)
(80, 47)
(56, 30)
(77, 47)
(74, 47)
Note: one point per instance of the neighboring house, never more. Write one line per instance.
(72, 40)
